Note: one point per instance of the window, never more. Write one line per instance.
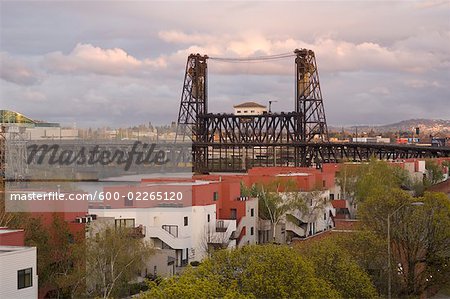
(252, 111)
(245, 111)
(324, 216)
(24, 278)
(209, 218)
(125, 222)
(186, 221)
(233, 214)
(252, 230)
(71, 239)
(239, 111)
(216, 196)
(252, 212)
(128, 201)
(331, 196)
(323, 183)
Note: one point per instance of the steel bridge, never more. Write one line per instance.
(228, 142)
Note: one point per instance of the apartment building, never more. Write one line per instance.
(18, 269)
(209, 214)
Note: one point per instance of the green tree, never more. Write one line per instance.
(420, 237)
(368, 249)
(377, 178)
(267, 271)
(338, 267)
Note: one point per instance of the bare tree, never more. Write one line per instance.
(113, 257)
(213, 240)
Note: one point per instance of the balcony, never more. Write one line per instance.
(168, 237)
(171, 229)
(220, 226)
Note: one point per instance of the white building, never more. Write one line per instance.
(249, 108)
(18, 272)
(296, 224)
(188, 231)
(317, 218)
(377, 139)
(248, 226)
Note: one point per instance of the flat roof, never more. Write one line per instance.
(294, 174)
(249, 105)
(8, 231)
(13, 249)
(196, 183)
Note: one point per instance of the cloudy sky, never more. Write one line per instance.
(116, 63)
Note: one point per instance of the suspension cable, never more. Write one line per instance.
(253, 59)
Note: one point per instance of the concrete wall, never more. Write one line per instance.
(250, 110)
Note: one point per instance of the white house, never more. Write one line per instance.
(188, 231)
(249, 108)
(18, 272)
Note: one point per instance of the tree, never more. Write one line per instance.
(255, 271)
(377, 178)
(276, 199)
(368, 249)
(68, 266)
(420, 237)
(58, 253)
(212, 240)
(113, 257)
(339, 268)
(379, 191)
(435, 172)
(6, 218)
(346, 179)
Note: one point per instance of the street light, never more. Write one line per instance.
(418, 203)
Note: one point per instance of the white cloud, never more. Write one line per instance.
(128, 62)
(86, 58)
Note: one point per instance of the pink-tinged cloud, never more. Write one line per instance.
(333, 55)
(86, 58)
(16, 71)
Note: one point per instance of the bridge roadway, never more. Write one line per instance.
(239, 157)
(222, 156)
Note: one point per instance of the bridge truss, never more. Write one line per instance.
(228, 142)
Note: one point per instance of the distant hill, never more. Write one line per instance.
(427, 126)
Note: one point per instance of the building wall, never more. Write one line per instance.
(190, 236)
(249, 110)
(40, 133)
(159, 264)
(13, 259)
(12, 237)
(250, 223)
